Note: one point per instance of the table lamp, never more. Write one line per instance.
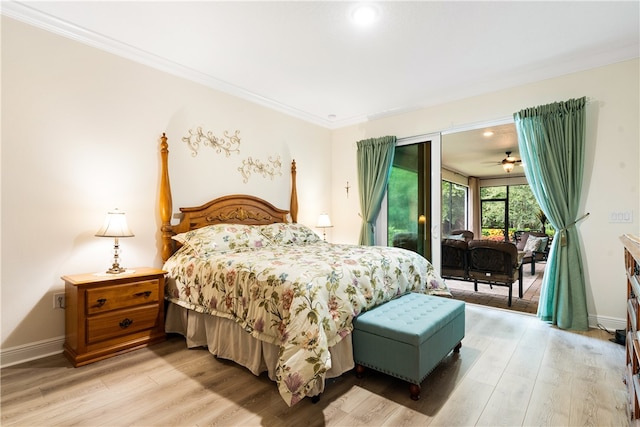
(115, 225)
(324, 222)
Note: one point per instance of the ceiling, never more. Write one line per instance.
(479, 152)
(310, 60)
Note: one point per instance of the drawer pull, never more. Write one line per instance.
(145, 293)
(126, 323)
(101, 302)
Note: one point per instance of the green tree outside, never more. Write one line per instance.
(523, 210)
(402, 192)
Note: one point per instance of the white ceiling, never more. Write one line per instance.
(308, 59)
(472, 153)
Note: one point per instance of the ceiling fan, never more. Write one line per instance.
(509, 162)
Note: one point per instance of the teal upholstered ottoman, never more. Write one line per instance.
(408, 336)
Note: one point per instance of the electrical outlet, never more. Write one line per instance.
(58, 300)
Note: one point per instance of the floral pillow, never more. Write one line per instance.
(534, 243)
(289, 234)
(223, 238)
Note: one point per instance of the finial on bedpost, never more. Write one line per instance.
(293, 206)
(165, 203)
(163, 145)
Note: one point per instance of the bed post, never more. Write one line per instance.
(166, 204)
(293, 208)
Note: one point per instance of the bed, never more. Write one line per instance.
(254, 286)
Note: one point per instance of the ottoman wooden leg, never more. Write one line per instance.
(414, 391)
(359, 371)
(456, 349)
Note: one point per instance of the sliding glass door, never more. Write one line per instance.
(411, 207)
(409, 199)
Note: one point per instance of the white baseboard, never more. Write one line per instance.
(37, 350)
(611, 323)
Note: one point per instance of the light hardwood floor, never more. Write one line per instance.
(512, 370)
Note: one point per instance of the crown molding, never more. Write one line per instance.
(24, 13)
(27, 14)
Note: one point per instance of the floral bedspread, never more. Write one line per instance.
(301, 296)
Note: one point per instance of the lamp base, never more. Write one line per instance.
(116, 269)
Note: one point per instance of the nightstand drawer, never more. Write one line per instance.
(122, 322)
(103, 299)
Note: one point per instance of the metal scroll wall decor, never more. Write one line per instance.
(230, 143)
(227, 143)
(270, 169)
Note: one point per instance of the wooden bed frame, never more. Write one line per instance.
(234, 209)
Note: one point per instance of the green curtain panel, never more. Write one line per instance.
(551, 139)
(375, 158)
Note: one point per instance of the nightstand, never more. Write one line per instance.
(109, 314)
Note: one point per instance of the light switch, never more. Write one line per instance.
(621, 216)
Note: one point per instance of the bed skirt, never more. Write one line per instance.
(227, 340)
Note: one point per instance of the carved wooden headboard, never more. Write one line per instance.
(234, 209)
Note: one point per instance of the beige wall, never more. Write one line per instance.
(80, 136)
(611, 179)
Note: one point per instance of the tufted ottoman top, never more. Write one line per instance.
(411, 318)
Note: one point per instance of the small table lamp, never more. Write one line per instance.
(115, 225)
(324, 222)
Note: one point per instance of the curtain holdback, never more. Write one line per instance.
(563, 231)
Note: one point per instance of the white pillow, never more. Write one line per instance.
(533, 243)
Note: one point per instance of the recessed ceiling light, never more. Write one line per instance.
(488, 133)
(364, 14)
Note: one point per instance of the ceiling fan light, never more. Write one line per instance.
(507, 165)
